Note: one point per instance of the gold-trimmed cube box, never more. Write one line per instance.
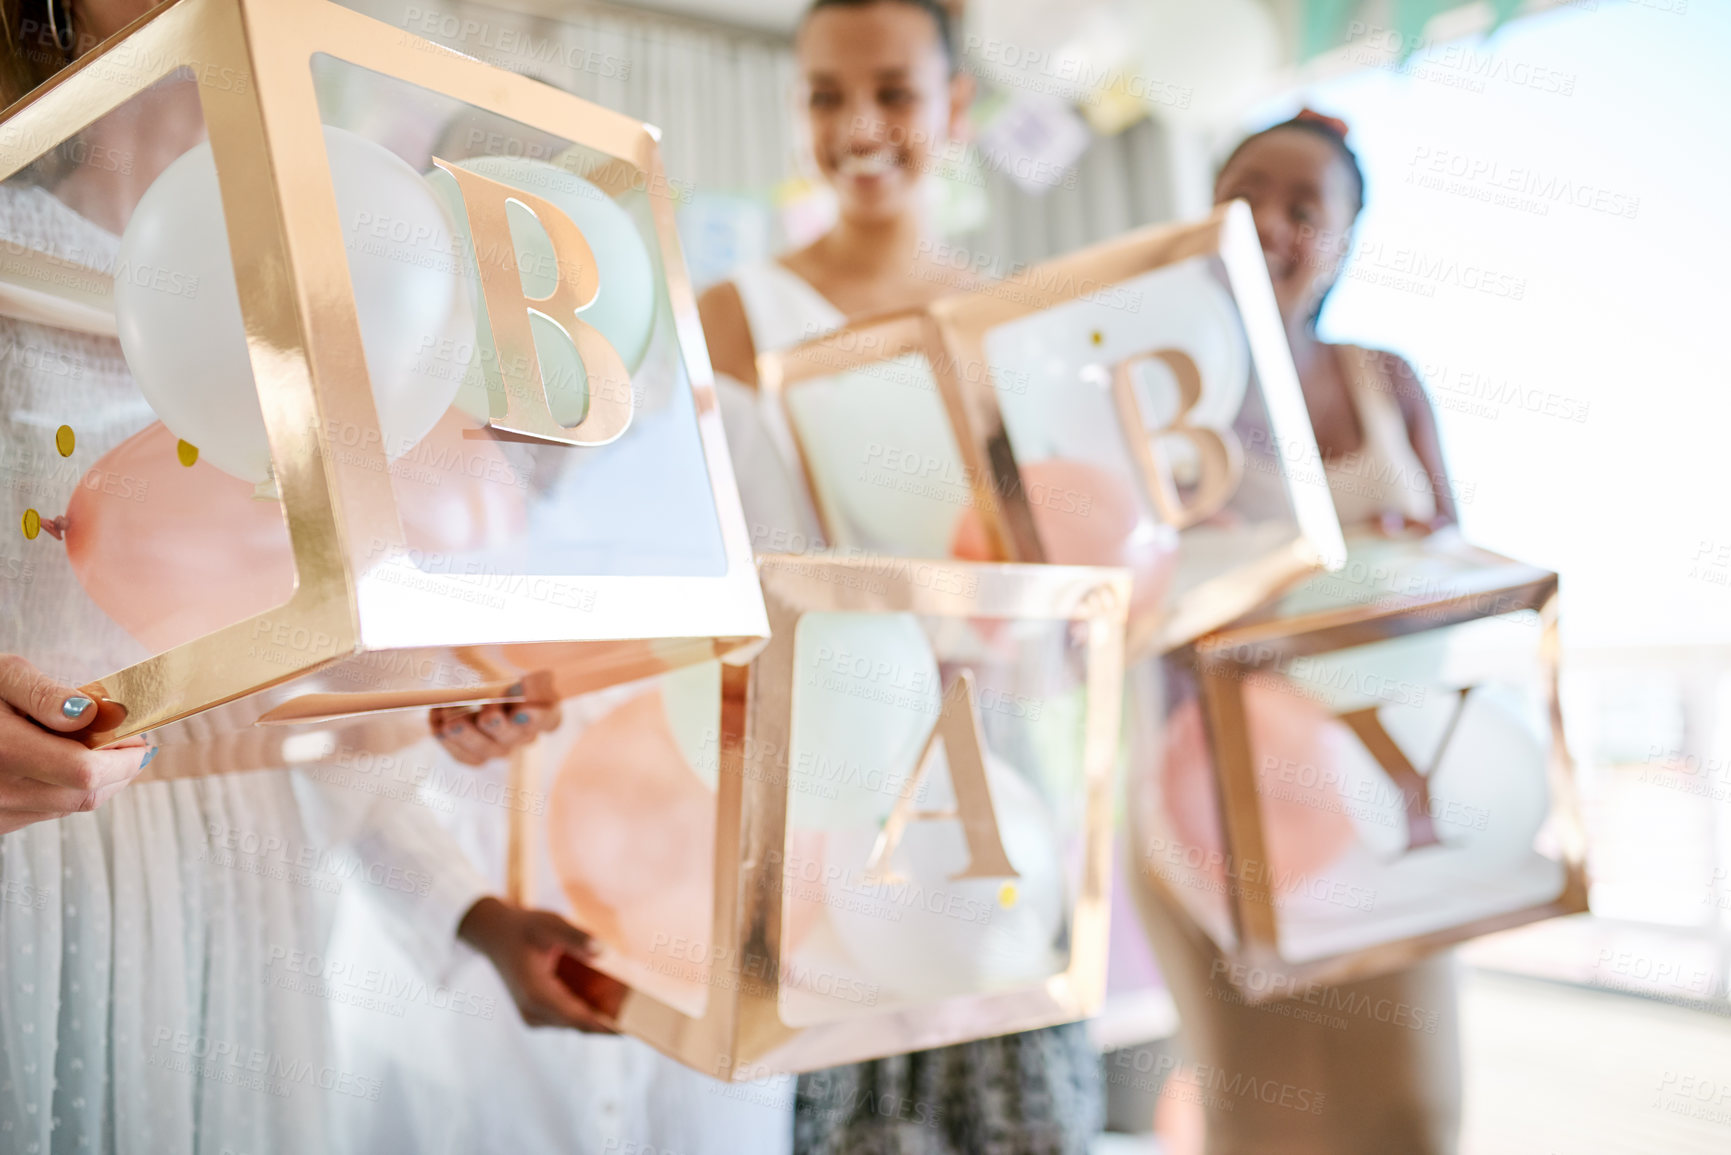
(1082, 410)
(889, 830)
(409, 406)
(1366, 771)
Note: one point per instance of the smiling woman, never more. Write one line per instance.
(883, 99)
(1387, 1086)
(1373, 420)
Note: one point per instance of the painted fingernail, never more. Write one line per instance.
(75, 706)
(148, 756)
(492, 722)
(514, 690)
(521, 717)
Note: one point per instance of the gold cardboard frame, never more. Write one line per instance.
(1224, 659)
(951, 334)
(741, 1035)
(305, 345)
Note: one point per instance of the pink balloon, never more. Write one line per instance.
(173, 552)
(1086, 515)
(1305, 826)
(631, 830)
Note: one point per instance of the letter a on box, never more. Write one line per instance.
(958, 727)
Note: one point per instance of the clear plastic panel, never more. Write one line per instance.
(472, 501)
(1404, 788)
(884, 465)
(133, 469)
(626, 848)
(869, 928)
(1176, 836)
(1405, 784)
(1175, 337)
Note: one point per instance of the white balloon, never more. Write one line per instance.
(1061, 401)
(187, 350)
(931, 936)
(865, 695)
(1369, 797)
(1490, 796)
(1488, 793)
(624, 307)
(691, 699)
(885, 461)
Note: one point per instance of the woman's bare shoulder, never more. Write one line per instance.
(1397, 375)
(727, 332)
(1408, 385)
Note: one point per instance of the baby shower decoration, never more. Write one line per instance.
(1368, 769)
(375, 361)
(1133, 403)
(889, 830)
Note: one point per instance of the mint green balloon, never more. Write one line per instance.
(624, 308)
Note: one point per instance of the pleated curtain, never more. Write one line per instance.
(723, 99)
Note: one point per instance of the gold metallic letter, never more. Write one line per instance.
(965, 748)
(1221, 456)
(1414, 787)
(959, 727)
(527, 412)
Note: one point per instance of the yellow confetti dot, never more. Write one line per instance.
(1007, 895)
(32, 524)
(65, 440)
(187, 452)
(1097, 337)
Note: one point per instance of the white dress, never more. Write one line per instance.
(781, 309)
(484, 1081)
(1384, 475)
(153, 998)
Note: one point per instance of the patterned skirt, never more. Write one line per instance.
(1038, 1093)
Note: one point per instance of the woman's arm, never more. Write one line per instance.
(1421, 430)
(44, 771)
(727, 333)
(436, 896)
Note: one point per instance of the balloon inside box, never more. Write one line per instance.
(360, 373)
(1133, 403)
(888, 831)
(1371, 768)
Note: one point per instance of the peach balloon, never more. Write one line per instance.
(1086, 515)
(631, 829)
(173, 552)
(631, 832)
(1305, 826)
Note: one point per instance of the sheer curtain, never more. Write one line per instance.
(722, 98)
(718, 95)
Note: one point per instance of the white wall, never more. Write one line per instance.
(1614, 322)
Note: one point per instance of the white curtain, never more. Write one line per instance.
(718, 95)
(722, 98)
